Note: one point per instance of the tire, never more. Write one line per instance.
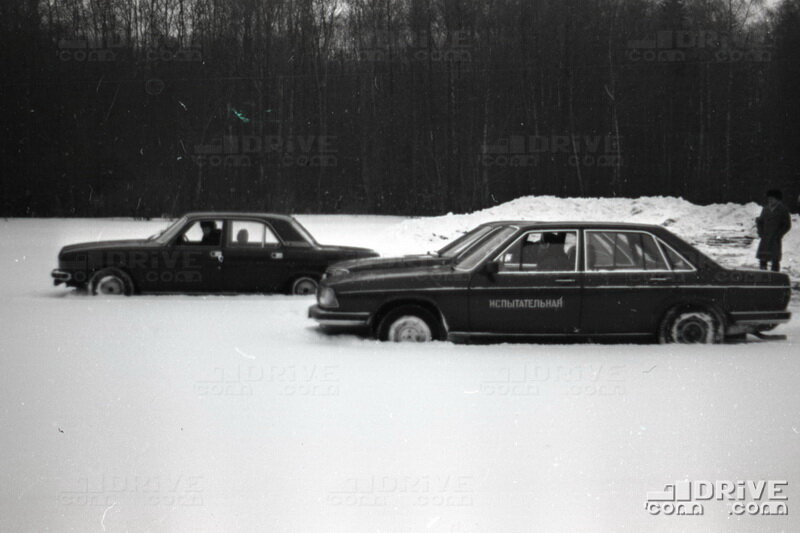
(690, 326)
(110, 282)
(304, 285)
(409, 323)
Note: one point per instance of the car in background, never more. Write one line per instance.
(206, 253)
(554, 279)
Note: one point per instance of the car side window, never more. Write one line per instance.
(653, 260)
(618, 250)
(541, 251)
(676, 262)
(202, 233)
(250, 234)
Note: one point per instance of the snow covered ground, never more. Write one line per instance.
(233, 413)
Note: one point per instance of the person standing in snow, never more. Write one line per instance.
(773, 223)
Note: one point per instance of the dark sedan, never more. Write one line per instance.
(554, 280)
(206, 252)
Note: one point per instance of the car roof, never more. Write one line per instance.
(233, 214)
(525, 224)
(571, 224)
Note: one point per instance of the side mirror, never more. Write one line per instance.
(492, 268)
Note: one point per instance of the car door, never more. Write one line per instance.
(627, 282)
(192, 261)
(536, 290)
(254, 257)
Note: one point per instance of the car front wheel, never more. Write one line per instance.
(110, 282)
(304, 285)
(690, 326)
(409, 324)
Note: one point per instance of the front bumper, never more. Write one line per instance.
(60, 276)
(331, 317)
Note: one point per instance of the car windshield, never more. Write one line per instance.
(166, 234)
(455, 247)
(486, 246)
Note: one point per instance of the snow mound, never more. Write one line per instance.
(726, 232)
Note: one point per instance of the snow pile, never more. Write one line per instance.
(726, 232)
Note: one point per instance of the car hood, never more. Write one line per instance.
(352, 249)
(431, 274)
(348, 251)
(107, 245)
(392, 263)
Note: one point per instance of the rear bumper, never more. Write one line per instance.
(327, 317)
(760, 318)
(60, 276)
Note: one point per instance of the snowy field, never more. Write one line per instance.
(233, 413)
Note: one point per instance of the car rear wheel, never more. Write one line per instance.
(409, 324)
(111, 282)
(304, 285)
(690, 326)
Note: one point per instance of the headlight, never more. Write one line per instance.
(333, 272)
(327, 298)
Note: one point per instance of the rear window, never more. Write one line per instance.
(291, 233)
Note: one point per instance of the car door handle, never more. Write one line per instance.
(218, 255)
(276, 255)
(659, 278)
(565, 280)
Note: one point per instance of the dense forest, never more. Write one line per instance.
(152, 107)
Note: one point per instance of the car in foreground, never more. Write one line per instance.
(554, 279)
(206, 253)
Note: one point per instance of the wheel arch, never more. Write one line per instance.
(393, 303)
(117, 269)
(694, 304)
(294, 276)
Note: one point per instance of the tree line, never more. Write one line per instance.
(154, 107)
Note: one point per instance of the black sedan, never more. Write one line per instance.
(206, 252)
(554, 280)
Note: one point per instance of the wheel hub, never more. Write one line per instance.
(110, 285)
(692, 331)
(410, 329)
(305, 287)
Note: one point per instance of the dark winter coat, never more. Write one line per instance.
(772, 225)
